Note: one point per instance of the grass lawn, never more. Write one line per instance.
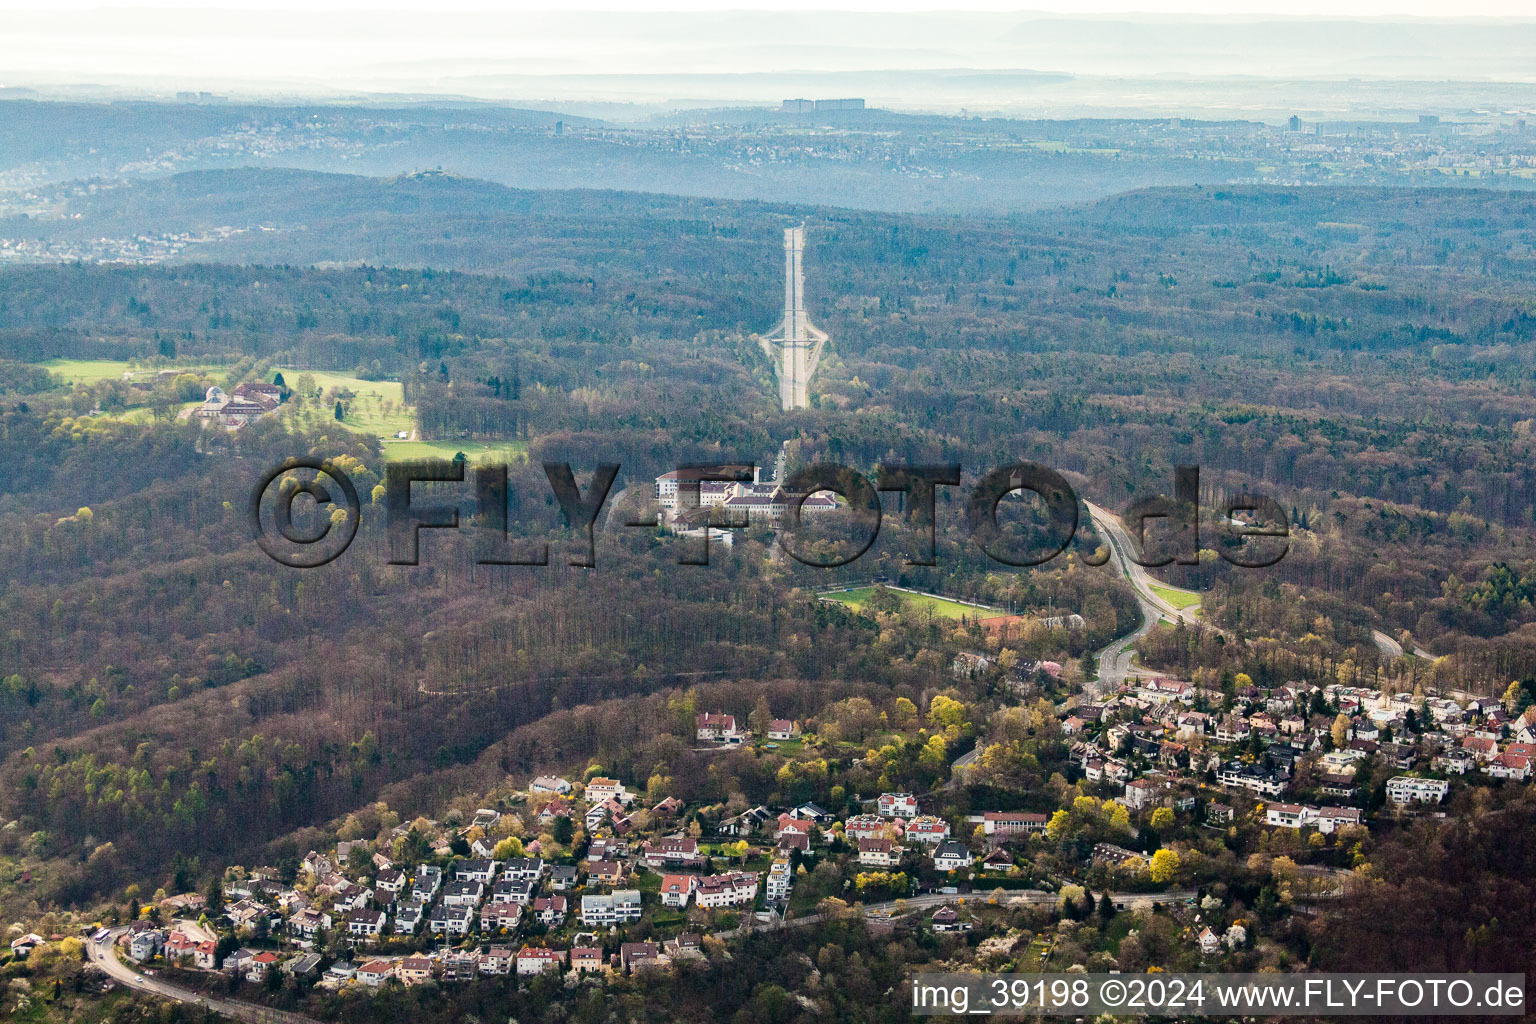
(1033, 960)
(144, 414)
(94, 371)
(941, 607)
(786, 747)
(496, 451)
(1175, 597)
(87, 371)
(378, 406)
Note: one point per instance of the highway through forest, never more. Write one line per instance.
(1115, 660)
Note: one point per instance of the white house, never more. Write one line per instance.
(617, 907)
(677, 889)
(538, 960)
(365, 922)
(951, 855)
(1406, 789)
(879, 853)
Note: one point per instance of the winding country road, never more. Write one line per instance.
(104, 955)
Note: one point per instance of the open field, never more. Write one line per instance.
(1177, 598)
(940, 606)
(378, 406)
(94, 371)
(498, 451)
(87, 371)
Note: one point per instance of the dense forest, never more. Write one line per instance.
(167, 693)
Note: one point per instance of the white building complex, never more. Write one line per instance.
(1406, 789)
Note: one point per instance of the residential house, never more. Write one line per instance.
(867, 826)
(927, 829)
(463, 894)
(427, 880)
(617, 907)
(475, 871)
(1116, 856)
(307, 923)
(408, 916)
(635, 956)
(677, 889)
(879, 853)
(529, 869)
(1509, 766)
(605, 872)
(745, 823)
(514, 890)
(607, 848)
(257, 967)
(780, 880)
(947, 919)
(550, 784)
(726, 890)
(497, 960)
(303, 966)
(600, 789)
(783, 729)
(413, 970)
(364, 923)
(500, 915)
(586, 959)
(550, 910)
(181, 945)
(145, 943)
(375, 972)
(1009, 823)
(717, 728)
(1483, 748)
(390, 880)
(951, 855)
(671, 852)
(998, 860)
(450, 920)
(539, 960)
(897, 805)
(1405, 789)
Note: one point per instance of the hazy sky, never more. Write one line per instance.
(1294, 8)
(515, 49)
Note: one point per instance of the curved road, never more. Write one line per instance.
(1392, 649)
(104, 955)
(1115, 659)
(888, 909)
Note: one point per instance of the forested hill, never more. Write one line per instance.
(1364, 356)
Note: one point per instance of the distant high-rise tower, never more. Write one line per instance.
(795, 346)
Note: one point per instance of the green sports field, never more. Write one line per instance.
(940, 606)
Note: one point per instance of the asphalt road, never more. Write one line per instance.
(104, 955)
(1115, 660)
(1392, 649)
(928, 901)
